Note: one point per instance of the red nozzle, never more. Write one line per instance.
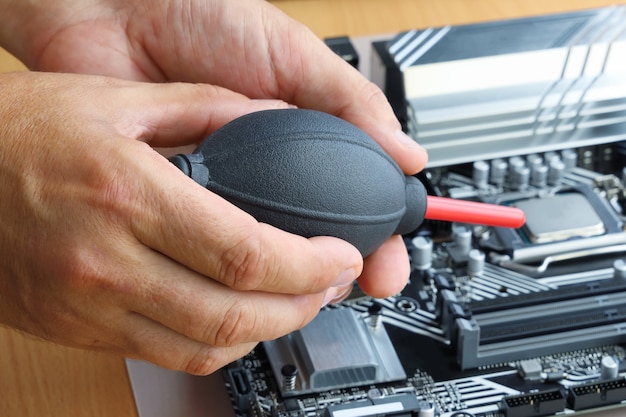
(448, 209)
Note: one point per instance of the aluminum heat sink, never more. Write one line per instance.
(513, 87)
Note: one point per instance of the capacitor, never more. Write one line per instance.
(550, 156)
(521, 178)
(609, 368)
(534, 159)
(569, 158)
(422, 253)
(539, 175)
(619, 269)
(515, 163)
(462, 237)
(374, 394)
(556, 168)
(475, 262)
(427, 409)
(480, 173)
(498, 172)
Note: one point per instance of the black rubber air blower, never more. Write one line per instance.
(313, 174)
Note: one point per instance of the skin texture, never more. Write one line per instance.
(108, 246)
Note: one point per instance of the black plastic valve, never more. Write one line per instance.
(311, 174)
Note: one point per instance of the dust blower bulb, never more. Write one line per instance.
(313, 174)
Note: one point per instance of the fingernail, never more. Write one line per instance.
(274, 104)
(406, 140)
(331, 294)
(346, 277)
(341, 293)
(336, 294)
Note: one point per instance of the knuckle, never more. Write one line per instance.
(87, 274)
(85, 271)
(203, 362)
(118, 198)
(246, 265)
(372, 94)
(238, 321)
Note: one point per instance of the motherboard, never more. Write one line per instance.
(494, 322)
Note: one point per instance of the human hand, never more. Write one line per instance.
(106, 245)
(246, 46)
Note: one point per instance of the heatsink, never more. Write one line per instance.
(337, 349)
(496, 89)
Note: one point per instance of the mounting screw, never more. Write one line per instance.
(289, 373)
(375, 312)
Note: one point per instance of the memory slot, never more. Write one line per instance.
(471, 355)
(541, 329)
(540, 312)
(569, 292)
(554, 323)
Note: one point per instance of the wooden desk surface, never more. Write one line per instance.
(42, 379)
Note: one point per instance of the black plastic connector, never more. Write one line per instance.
(241, 390)
(596, 394)
(543, 403)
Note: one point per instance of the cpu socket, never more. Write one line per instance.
(573, 220)
(559, 217)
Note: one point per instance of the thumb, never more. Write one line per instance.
(201, 230)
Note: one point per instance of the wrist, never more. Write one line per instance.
(27, 25)
(12, 25)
